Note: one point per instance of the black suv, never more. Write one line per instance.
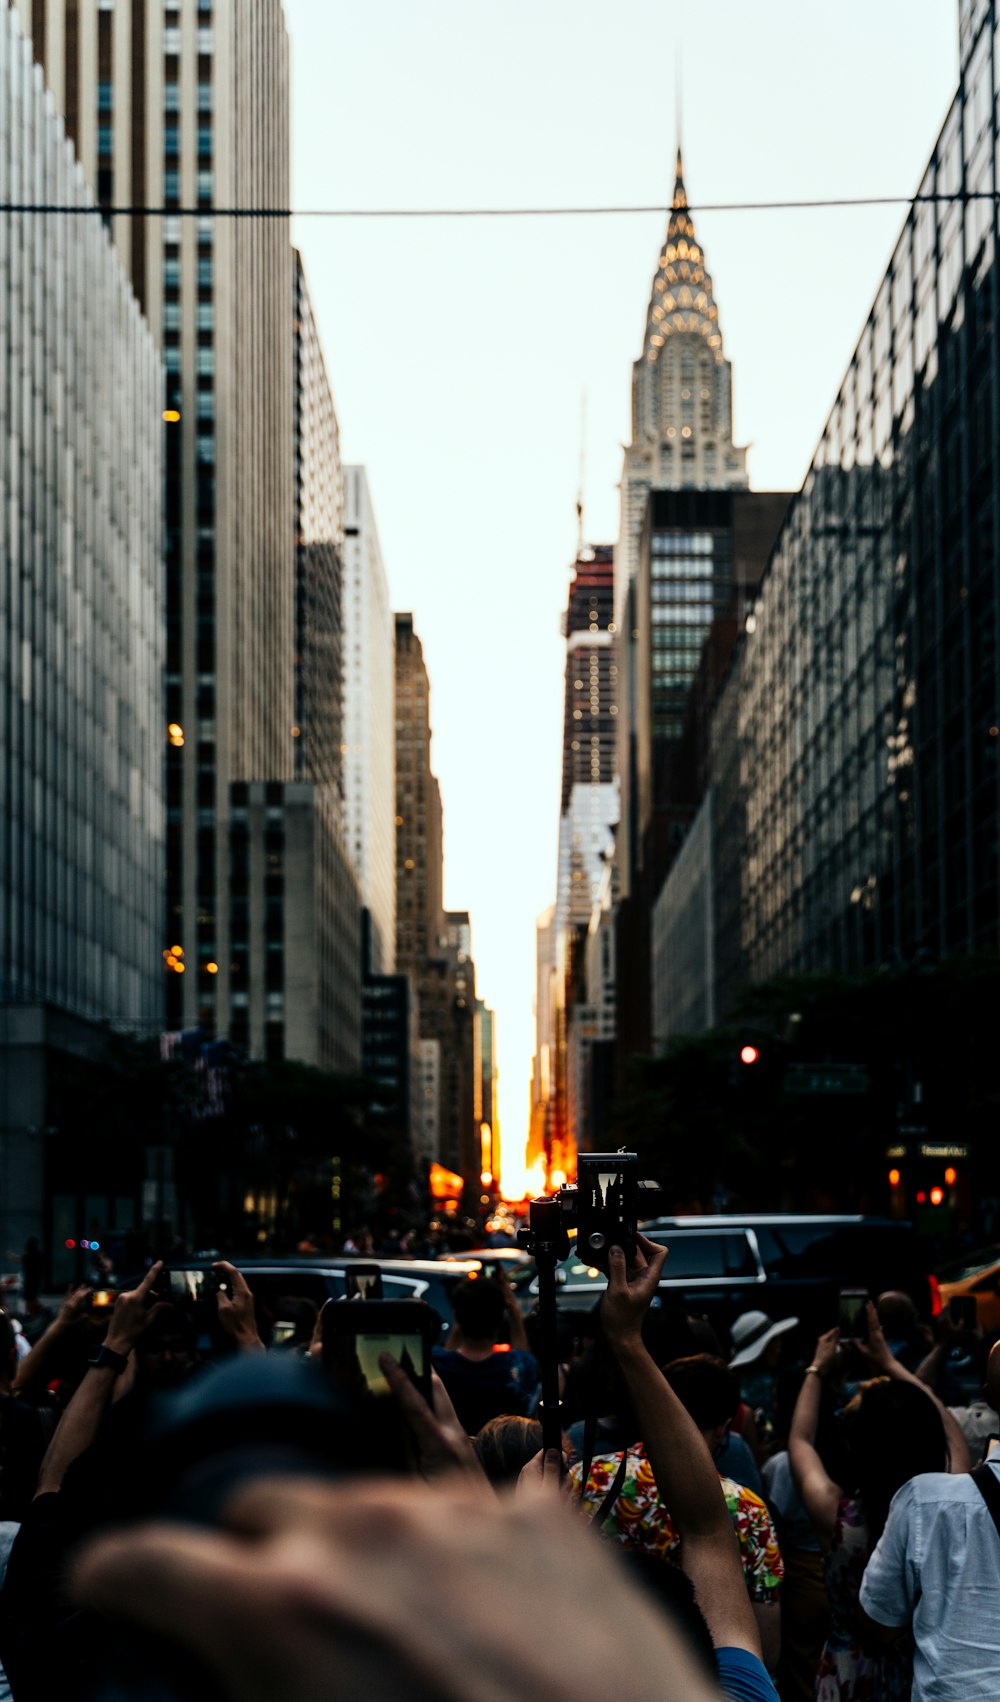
(784, 1265)
(803, 1261)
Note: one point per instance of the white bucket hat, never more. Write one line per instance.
(752, 1333)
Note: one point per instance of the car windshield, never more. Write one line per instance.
(970, 1265)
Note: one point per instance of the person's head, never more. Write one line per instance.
(505, 1445)
(165, 1352)
(893, 1431)
(758, 1343)
(897, 1315)
(708, 1389)
(479, 1308)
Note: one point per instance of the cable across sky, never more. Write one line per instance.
(819, 203)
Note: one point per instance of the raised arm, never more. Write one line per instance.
(34, 1369)
(879, 1355)
(78, 1427)
(682, 1466)
(819, 1493)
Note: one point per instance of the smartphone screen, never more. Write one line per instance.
(191, 1285)
(409, 1351)
(363, 1282)
(607, 1192)
(852, 1316)
(354, 1337)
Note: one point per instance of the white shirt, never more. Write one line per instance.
(937, 1567)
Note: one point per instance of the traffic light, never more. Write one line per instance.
(749, 1054)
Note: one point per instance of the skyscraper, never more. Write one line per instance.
(419, 849)
(186, 106)
(589, 806)
(682, 438)
(682, 405)
(318, 730)
(867, 697)
(81, 655)
(369, 770)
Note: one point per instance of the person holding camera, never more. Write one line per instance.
(685, 1477)
(643, 1518)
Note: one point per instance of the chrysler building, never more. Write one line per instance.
(682, 409)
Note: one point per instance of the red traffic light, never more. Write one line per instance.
(937, 1195)
(749, 1054)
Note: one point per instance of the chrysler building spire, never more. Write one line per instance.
(682, 414)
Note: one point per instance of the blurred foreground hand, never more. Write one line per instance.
(377, 1590)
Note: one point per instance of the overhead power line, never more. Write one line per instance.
(817, 203)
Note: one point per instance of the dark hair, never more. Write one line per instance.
(479, 1307)
(505, 1445)
(893, 1432)
(8, 1346)
(673, 1592)
(706, 1387)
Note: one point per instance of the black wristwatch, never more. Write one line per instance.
(107, 1358)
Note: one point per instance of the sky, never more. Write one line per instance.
(459, 351)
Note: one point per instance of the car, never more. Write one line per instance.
(783, 1264)
(976, 1273)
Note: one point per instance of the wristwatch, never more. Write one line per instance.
(817, 1370)
(107, 1358)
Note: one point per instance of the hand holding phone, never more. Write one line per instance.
(354, 1337)
(852, 1314)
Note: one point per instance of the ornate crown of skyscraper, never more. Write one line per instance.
(682, 289)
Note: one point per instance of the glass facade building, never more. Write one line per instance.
(184, 104)
(868, 693)
(81, 657)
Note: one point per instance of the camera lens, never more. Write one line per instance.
(597, 1240)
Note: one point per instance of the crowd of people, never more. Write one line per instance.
(192, 1506)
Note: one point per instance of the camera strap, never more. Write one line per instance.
(618, 1483)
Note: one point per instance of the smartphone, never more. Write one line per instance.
(852, 1314)
(186, 1286)
(962, 1311)
(101, 1300)
(355, 1336)
(363, 1282)
(606, 1205)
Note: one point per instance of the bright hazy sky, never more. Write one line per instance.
(458, 351)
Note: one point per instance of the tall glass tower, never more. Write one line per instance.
(184, 105)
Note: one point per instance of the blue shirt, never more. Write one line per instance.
(743, 1677)
(482, 1389)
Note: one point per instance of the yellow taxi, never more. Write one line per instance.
(977, 1274)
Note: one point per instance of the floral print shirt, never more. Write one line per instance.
(639, 1517)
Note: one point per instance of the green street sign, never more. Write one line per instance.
(825, 1078)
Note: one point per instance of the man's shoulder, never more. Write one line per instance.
(936, 1489)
